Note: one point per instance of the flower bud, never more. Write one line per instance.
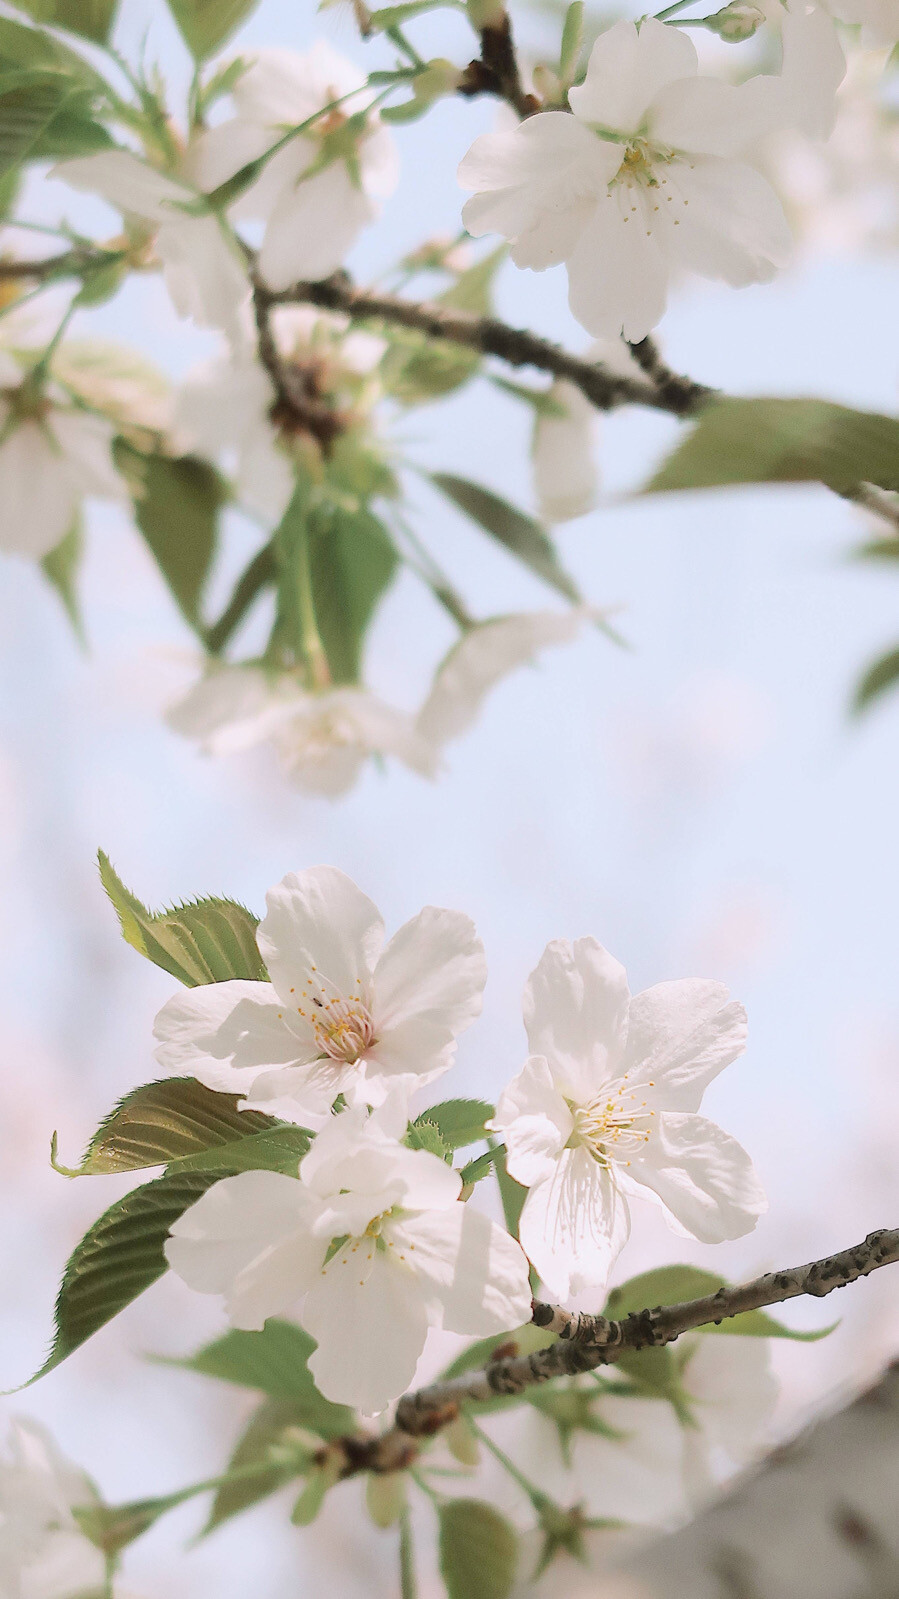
(438, 78)
(736, 22)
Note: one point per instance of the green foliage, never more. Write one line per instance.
(478, 1550)
(268, 1429)
(883, 675)
(120, 1256)
(783, 441)
(416, 368)
(572, 41)
(482, 1165)
(23, 47)
(168, 1121)
(280, 1149)
(672, 1285)
(521, 535)
(205, 25)
(93, 19)
(208, 941)
(424, 1134)
(459, 1121)
(511, 1193)
(113, 1527)
(44, 115)
(274, 1361)
(354, 562)
(177, 501)
(60, 568)
(323, 1476)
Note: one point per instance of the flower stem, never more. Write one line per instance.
(662, 16)
(408, 1584)
(537, 1497)
(310, 640)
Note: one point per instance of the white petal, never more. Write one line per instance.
(813, 67)
(313, 226)
(733, 1391)
(264, 480)
(575, 1011)
(285, 86)
(637, 1476)
(680, 1036)
(485, 655)
(535, 1123)
(702, 1175)
(128, 183)
(215, 154)
(86, 441)
(352, 1153)
(206, 280)
(38, 493)
(626, 71)
(566, 479)
(574, 1226)
(879, 18)
(231, 708)
(227, 1033)
(380, 728)
(249, 1237)
(732, 226)
(405, 1058)
(434, 969)
(618, 274)
(707, 117)
(476, 1272)
(369, 1318)
(319, 922)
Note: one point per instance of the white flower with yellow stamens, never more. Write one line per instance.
(341, 1015)
(607, 1105)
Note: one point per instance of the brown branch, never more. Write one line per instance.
(299, 405)
(496, 71)
(517, 347)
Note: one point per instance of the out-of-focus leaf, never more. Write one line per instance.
(93, 19)
(21, 46)
(459, 1121)
(207, 941)
(673, 1285)
(205, 25)
(415, 368)
(275, 1362)
(268, 1427)
(353, 564)
(783, 441)
(167, 1121)
(177, 502)
(883, 675)
(113, 1527)
(478, 1550)
(521, 535)
(26, 111)
(60, 568)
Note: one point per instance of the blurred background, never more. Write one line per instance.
(700, 801)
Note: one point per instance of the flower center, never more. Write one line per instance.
(343, 1028)
(613, 1127)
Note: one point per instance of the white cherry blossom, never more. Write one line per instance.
(43, 1552)
(318, 192)
(813, 67)
(323, 739)
(410, 1256)
(342, 1014)
(563, 454)
(607, 1106)
(642, 181)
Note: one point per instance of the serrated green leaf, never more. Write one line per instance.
(120, 1256)
(481, 1166)
(521, 535)
(92, 19)
(177, 501)
(424, 1134)
(274, 1361)
(266, 1428)
(175, 1119)
(60, 568)
(207, 941)
(783, 441)
(883, 675)
(674, 1285)
(478, 1550)
(459, 1121)
(281, 1150)
(205, 25)
(354, 561)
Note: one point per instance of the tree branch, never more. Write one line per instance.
(517, 347)
(496, 71)
(299, 405)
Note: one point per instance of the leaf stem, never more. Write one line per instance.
(408, 1584)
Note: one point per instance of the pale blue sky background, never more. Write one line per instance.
(701, 803)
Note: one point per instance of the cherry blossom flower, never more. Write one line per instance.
(879, 19)
(640, 182)
(485, 655)
(607, 1106)
(342, 1014)
(563, 447)
(317, 193)
(323, 738)
(813, 67)
(204, 275)
(43, 1552)
(52, 455)
(371, 1243)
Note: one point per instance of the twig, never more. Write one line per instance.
(298, 406)
(517, 347)
(496, 70)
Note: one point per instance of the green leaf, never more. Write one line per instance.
(275, 1362)
(26, 111)
(281, 1150)
(353, 564)
(572, 41)
(322, 1478)
(511, 1193)
(416, 368)
(883, 675)
(93, 19)
(72, 131)
(472, 290)
(673, 1285)
(170, 1120)
(113, 1527)
(481, 1166)
(424, 1134)
(521, 535)
(783, 441)
(32, 48)
(478, 1550)
(395, 16)
(206, 941)
(459, 1121)
(120, 1256)
(206, 24)
(265, 1431)
(60, 568)
(879, 550)
(176, 506)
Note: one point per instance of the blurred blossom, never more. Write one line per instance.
(710, 726)
(43, 1552)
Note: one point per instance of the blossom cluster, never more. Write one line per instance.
(374, 1241)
